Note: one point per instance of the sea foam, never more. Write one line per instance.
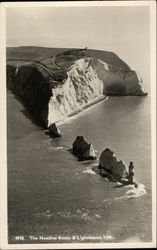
(132, 192)
(89, 171)
(136, 191)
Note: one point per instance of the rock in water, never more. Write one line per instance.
(80, 145)
(54, 131)
(109, 163)
(83, 150)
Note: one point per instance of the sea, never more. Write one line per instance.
(54, 198)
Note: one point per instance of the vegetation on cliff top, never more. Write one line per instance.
(63, 57)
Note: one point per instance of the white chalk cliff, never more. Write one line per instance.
(54, 94)
(88, 80)
(81, 87)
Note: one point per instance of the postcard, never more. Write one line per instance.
(78, 109)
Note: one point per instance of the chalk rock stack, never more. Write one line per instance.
(110, 165)
(54, 132)
(83, 150)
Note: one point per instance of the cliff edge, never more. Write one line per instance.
(61, 85)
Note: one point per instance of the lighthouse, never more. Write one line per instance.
(131, 173)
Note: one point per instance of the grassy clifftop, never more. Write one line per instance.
(61, 57)
(31, 52)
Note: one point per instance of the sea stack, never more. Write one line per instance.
(109, 165)
(54, 131)
(83, 150)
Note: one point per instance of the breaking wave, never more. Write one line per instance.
(89, 171)
(136, 191)
(132, 192)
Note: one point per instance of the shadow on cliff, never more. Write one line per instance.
(28, 115)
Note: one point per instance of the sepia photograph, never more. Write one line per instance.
(79, 90)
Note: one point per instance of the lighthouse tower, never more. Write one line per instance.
(131, 173)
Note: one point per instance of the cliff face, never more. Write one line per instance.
(81, 87)
(10, 74)
(89, 79)
(32, 88)
(61, 87)
(117, 81)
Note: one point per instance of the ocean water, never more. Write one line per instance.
(53, 197)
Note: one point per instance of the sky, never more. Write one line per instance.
(124, 30)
